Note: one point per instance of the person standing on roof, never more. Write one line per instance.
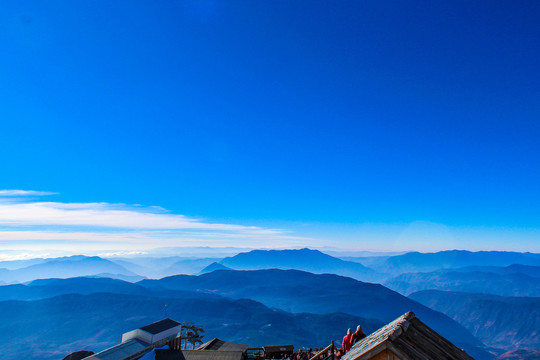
(347, 341)
(358, 335)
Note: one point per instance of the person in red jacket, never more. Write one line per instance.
(347, 341)
(358, 335)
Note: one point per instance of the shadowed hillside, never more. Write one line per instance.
(425, 262)
(51, 328)
(298, 291)
(504, 284)
(505, 322)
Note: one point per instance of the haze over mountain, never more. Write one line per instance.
(51, 328)
(46, 288)
(298, 291)
(499, 321)
(158, 267)
(503, 283)
(64, 267)
(309, 260)
(424, 262)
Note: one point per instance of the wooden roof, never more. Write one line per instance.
(165, 354)
(217, 344)
(278, 348)
(408, 338)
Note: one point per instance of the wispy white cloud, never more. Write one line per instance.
(5, 193)
(107, 215)
(27, 223)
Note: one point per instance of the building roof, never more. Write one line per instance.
(160, 326)
(164, 354)
(131, 349)
(217, 344)
(408, 338)
(278, 348)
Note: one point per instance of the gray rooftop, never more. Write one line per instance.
(410, 339)
(160, 326)
(164, 354)
(278, 348)
(131, 349)
(217, 344)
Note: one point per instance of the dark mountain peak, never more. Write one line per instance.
(281, 253)
(304, 259)
(213, 267)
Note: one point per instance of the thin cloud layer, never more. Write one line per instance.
(6, 193)
(118, 226)
(106, 215)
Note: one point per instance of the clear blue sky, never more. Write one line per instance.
(280, 113)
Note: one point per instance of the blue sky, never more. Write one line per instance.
(383, 125)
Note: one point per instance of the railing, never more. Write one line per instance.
(323, 354)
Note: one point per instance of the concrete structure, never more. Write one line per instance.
(140, 341)
(156, 333)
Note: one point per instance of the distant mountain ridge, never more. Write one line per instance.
(426, 262)
(499, 321)
(529, 270)
(504, 282)
(160, 267)
(213, 267)
(305, 259)
(64, 267)
(47, 288)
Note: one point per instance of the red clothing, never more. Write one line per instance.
(347, 342)
(357, 336)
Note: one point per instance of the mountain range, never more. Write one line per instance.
(298, 291)
(425, 262)
(499, 321)
(309, 260)
(504, 281)
(288, 288)
(65, 267)
(54, 327)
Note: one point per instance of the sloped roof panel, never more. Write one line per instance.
(409, 338)
(160, 326)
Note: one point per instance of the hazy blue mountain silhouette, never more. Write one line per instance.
(54, 327)
(188, 266)
(64, 267)
(128, 278)
(504, 284)
(309, 260)
(156, 267)
(17, 264)
(506, 322)
(46, 288)
(533, 271)
(298, 291)
(425, 262)
(213, 267)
